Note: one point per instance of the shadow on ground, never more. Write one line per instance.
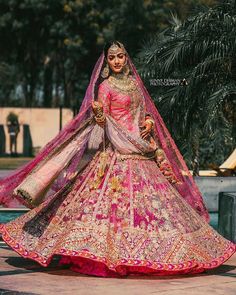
(25, 266)
(12, 292)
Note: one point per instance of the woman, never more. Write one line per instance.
(134, 208)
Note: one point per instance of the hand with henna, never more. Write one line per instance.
(145, 133)
(98, 112)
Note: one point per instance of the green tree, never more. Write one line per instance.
(202, 50)
(53, 45)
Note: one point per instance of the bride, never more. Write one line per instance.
(132, 208)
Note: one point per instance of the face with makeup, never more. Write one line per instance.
(116, 59)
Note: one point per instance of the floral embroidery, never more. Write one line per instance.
(131, 219)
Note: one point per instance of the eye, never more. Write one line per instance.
(121, 55)
(111, 57)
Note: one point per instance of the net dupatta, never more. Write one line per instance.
(8, 185)
(187, 188)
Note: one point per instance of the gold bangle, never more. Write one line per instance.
(98, 109)
(100, 119)
(101, 115)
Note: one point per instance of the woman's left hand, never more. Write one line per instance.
(146, 132)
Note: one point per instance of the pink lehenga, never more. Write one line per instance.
(121, 213)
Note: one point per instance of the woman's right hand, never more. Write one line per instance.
(99, 115)
(97, 106)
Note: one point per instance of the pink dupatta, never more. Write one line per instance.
(61, 143)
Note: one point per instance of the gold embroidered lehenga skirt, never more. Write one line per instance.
(130, 220)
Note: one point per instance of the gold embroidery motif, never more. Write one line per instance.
(115, 184)
(153, 227)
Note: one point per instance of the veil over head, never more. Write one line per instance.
(186, 187)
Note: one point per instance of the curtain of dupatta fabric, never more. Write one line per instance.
(119, 214)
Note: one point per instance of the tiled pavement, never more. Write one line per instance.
(22, 276)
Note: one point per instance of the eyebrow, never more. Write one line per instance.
(113, 54)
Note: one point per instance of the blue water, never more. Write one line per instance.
(8, 216)
(214, 220)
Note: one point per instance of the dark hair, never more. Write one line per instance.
(108, 45)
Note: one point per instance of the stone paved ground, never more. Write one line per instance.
(21, 276)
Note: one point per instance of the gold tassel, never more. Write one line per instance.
(103, 164)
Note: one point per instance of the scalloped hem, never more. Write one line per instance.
(88, 266)
(88, 263)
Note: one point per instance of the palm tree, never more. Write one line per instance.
(202, 50)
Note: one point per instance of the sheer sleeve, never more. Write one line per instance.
(147, 115)
(104, 97)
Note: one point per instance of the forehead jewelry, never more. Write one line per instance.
(114, 48)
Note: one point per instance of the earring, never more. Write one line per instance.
(105, 72)
(126, 70)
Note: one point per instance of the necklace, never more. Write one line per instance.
(122, 82)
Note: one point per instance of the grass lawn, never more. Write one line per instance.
(13, 163)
